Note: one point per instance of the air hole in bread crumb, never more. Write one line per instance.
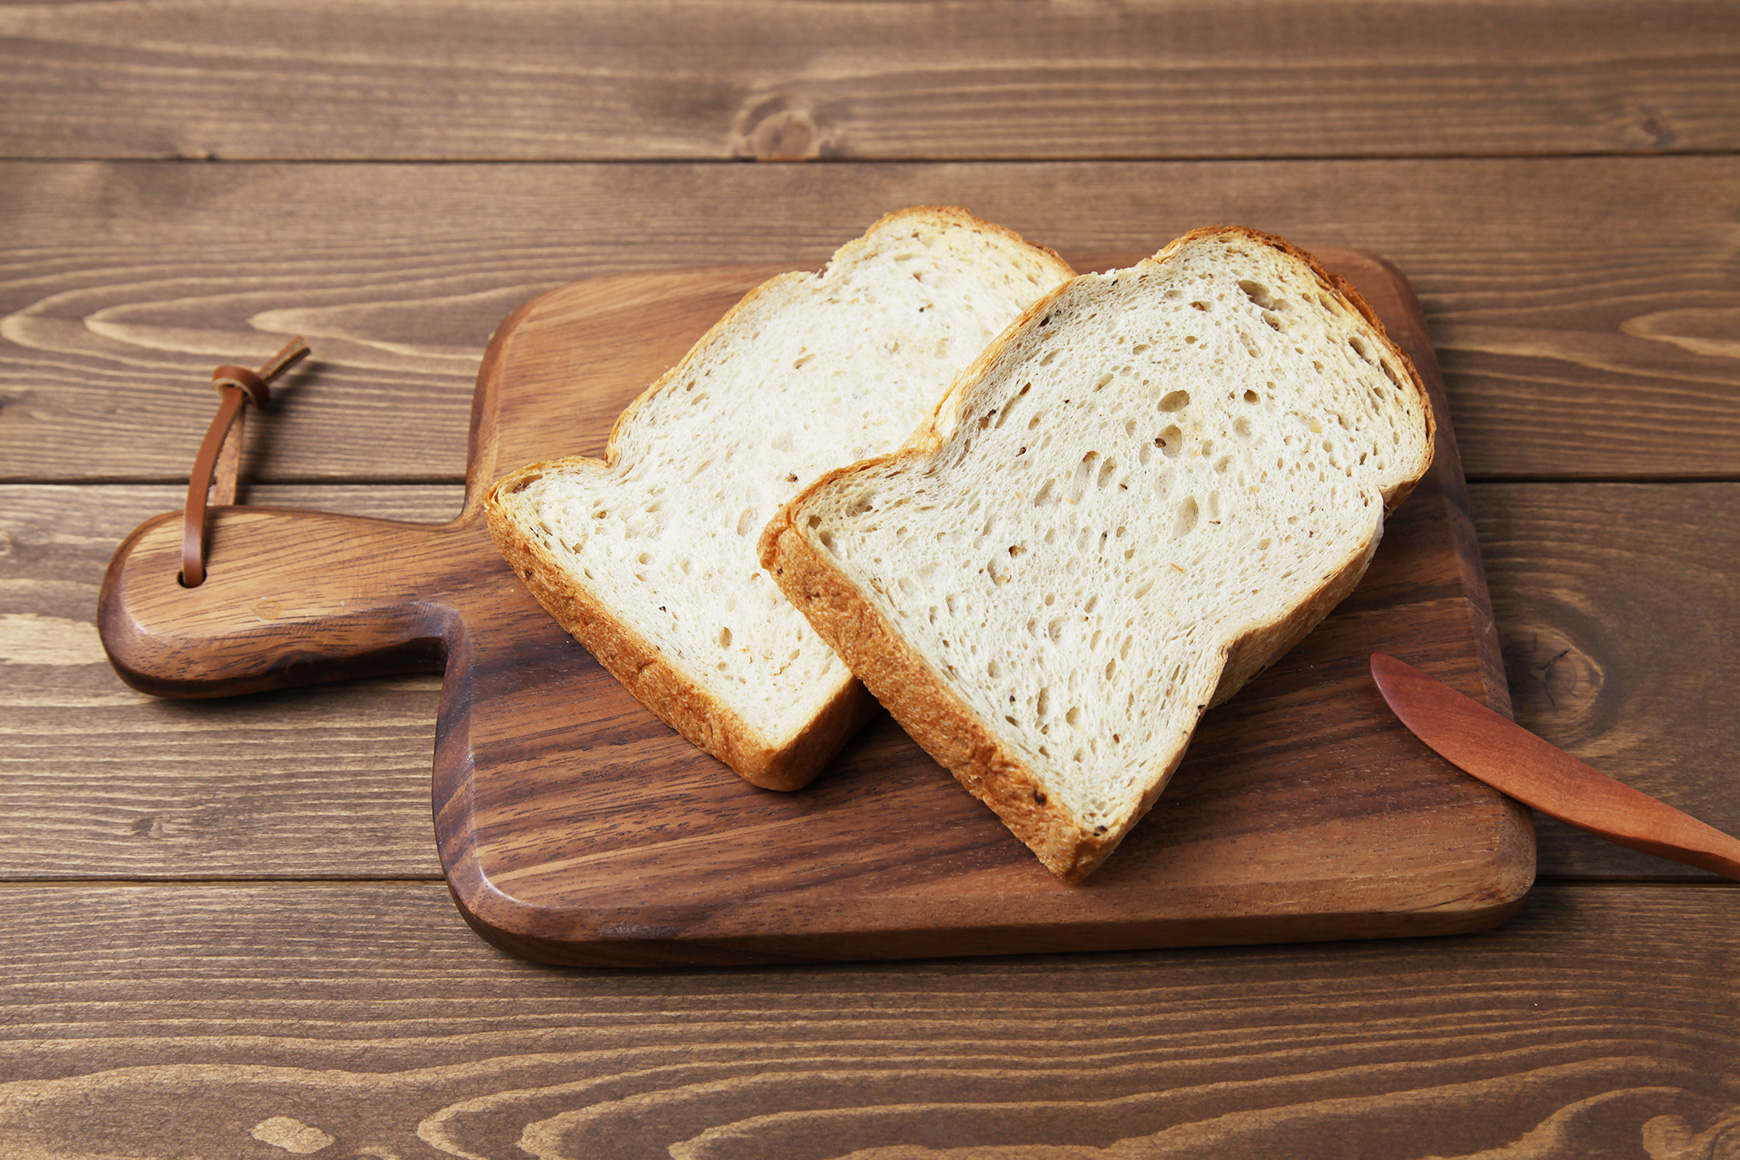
(1083, 472)
(1185, 521)
(1170, 442)
(725, 638)
(1105, 381)
(1273, 319)
(746, 522)
(524, 483)
(1359, 347)
(1175, 401)
(1260, 295)
(1139, 348)
(1189, 339)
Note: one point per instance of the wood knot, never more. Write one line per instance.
(1661, 135)
(774, 131)
(1553, 683)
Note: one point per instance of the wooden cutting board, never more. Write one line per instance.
(574, 827)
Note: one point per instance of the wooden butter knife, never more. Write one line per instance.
(1516, 762)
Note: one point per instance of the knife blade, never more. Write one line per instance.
(1514, 761)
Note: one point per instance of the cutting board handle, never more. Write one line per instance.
(290, 598)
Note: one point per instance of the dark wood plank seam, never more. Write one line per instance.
(1110, 159)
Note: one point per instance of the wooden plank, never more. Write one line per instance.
(1615, 605)
(102, 782)
(99, 781)
(125, 284)
(194, 1021)
(978, 79)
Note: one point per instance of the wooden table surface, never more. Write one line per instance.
(225, 932)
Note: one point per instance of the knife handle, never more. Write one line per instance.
(1633, 819)
(289, 598)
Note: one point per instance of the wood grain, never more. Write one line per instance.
(1616, 608)
(1584, 309)
(175, 1021)
(122, 285)
(99, 781)
(980, 79)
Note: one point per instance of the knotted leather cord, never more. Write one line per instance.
(222, 449)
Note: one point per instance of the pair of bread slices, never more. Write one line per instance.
(1046, 520)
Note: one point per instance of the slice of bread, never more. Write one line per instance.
(1148, 489)
(648, 556)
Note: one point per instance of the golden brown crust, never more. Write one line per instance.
(921, 700)
(673, 695)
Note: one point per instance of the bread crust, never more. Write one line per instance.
(921, 699)
(666, 688)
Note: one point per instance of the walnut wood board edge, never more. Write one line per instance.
(574, 827)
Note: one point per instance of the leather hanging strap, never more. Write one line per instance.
(220, 452)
